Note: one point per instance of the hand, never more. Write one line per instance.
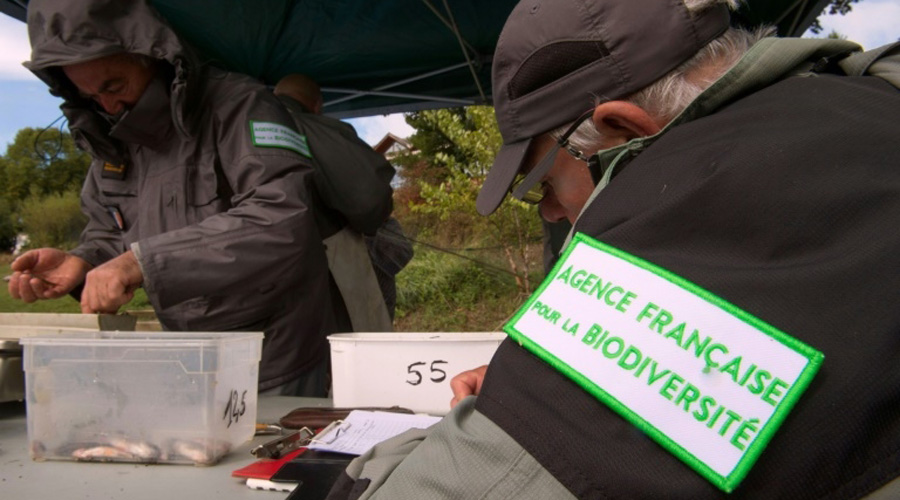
(111, 285)
(467, 383)
(45, 273)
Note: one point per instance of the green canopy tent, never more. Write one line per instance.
(379, 57)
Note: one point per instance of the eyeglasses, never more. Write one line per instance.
(529, 187)
(563, 141)
(534, 195)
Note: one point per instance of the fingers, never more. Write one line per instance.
(111, 285)
(40, 260)
(26, 287)
(20, 282)
(467, 383)
(45, 273)
(38, 287)
(104, 296)
(25, 262)
(19, 288)
(54, 292)
(103, 304)
(13, 286)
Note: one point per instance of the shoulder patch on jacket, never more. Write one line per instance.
(275, 135)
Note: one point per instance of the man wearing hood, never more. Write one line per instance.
(199, 191)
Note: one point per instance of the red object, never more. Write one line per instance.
(266, 467)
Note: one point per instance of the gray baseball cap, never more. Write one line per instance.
(554, 57)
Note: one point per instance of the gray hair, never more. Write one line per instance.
(665, 98)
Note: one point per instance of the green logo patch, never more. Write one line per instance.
(708, 381)
(275, 135)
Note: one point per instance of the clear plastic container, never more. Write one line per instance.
(14, 326)
(148, 397)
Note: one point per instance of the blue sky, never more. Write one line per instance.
(25, 102)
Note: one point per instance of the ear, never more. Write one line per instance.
(621, 121)
(317, 107)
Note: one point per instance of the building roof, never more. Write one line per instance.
(388, 141)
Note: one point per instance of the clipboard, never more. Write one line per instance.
(274, 454)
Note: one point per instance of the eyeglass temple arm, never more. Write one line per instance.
(536, 174)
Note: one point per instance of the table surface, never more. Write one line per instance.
(24, 479)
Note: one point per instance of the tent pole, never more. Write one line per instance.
(398, 83)
(787, 11)
(444, 20)
(797, 17)
(451, 100)
(463, 45)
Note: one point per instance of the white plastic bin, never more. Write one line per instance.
(167, 397)
(408, 369)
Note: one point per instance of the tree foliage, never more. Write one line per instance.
(41, 162)
(842, 7)
(38, 165)
(442, 177)
(54, 220)
(7, 226)
(451, 140)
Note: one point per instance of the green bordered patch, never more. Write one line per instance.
(708, 381)
(275, 135)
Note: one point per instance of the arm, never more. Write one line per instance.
(266, 240)
(115, 275)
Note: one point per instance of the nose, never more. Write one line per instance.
(550, 209)
(110, 104)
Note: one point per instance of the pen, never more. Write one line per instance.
(266, 429)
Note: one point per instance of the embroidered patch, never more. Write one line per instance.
(111, 171)
(274, 135)
(708, 381)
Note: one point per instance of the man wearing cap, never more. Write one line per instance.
(752, 167)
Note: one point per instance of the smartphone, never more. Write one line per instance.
(316, 471)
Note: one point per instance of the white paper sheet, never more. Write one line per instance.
(362, 430)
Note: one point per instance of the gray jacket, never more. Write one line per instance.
(206, 178)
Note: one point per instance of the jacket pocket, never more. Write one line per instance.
(203, 186)
(202, 197)
(119, 199)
